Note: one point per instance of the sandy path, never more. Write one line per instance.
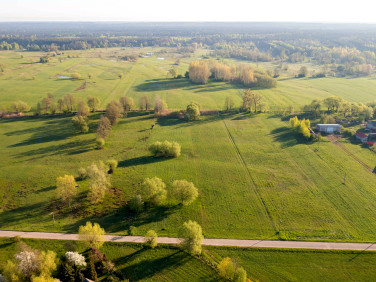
(207, 241)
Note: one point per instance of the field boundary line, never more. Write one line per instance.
(335, 142)
(249, 174)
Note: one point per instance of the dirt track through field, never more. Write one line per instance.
(333, 139)
(207, 242)
(249, 174)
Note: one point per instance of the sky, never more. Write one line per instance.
(344, 11)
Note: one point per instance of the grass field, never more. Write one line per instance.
(256, 178)
(135, 262)
(149, 77)
(170, 264)
(301, 265)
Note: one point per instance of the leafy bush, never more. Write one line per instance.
(154, 190)
(165, 149)
(136, 204)
(151, 239)
(100, 143)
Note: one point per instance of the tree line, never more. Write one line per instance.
(201, 71)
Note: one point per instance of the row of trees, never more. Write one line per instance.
(99, 182)
(301, 126)
(33, 265)
(335, 104)
(199, 72)
(154, 192)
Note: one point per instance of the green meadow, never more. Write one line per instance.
(256, 178)
(28, 80)
(167, 263)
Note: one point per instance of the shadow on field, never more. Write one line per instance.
(141, 161)
(162, 84)
(52, 129)
(179, 123)
(144, 269)
(16, 217)
(70, 148)
(285, 136)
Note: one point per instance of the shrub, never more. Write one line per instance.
(75, 76)
(226, 268)
(82, 173)
(112, 164)
(80, 123)
(184, 191)
(100, 143)
(151, 239)
(154, 190)
(75, 258)
(136, 204)
(165, 149)
(240, 275)
(193, 112)
(132, 231)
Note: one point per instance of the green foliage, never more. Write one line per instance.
(153, 190)
(192, 238)
(44, 59)
(82, 173)
(104, 127)
(226, 268)
(93, 103)
(100, 142)
(66, 188)
(127, 103)
(114, 111)
(185, 192)
(112, 164)
(136, 204)
(20, 107)
(240, 275)
(80, 122)
(165, 149)
(151, 239)
(301, 127)
(192, 112)
(92, 235)
(132, 231)
(75, 76)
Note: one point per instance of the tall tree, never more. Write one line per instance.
(191, 237)
(114, 110)
(92, 235)
(93, 103)
(66, 188)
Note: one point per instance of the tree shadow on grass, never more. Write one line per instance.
(285, 136)
(147, 268)
(144, 160)
(70, 148)
(55, 129)
(162, 84)
(18, 216)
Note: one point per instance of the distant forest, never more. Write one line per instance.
(347, 49)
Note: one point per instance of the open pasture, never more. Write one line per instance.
(256, 178)
(28, 80)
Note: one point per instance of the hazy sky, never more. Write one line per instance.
(362, 11)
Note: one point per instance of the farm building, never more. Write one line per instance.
(329, 128)
(361, 137)
(371, 125)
